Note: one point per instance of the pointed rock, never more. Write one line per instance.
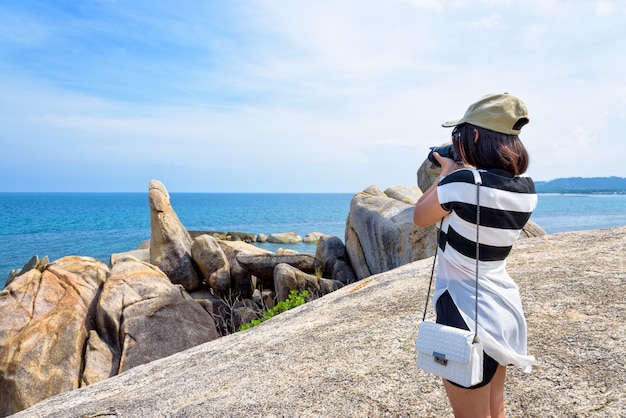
(170, 243)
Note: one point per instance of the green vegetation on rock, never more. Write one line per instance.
(295, 299)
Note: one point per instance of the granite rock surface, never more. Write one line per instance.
(351, 353)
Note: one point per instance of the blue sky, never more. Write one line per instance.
(296, 96)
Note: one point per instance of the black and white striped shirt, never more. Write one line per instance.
(506, 205)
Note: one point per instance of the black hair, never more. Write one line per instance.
(492, 150)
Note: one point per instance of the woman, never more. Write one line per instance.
(485, 138)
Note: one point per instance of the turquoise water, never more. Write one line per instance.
(564, 213)
(99, 224)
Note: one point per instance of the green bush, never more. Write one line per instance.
(295, 299)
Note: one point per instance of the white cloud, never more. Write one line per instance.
(358, 89)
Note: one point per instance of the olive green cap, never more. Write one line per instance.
(497, 112)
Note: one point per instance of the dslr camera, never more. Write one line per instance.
(445, 151)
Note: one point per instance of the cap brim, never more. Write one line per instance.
(451, 123)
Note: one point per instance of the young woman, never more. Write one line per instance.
(486, 138)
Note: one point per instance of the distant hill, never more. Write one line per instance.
(590, 185)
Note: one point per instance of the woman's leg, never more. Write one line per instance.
(486, 401)
(469, 403)
(496, 396)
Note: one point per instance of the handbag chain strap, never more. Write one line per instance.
(478, 181)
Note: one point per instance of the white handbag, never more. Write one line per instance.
(452, 353)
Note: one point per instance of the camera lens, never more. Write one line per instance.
(446, 151)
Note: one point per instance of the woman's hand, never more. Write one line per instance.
(448, 165)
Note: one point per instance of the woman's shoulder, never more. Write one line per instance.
(496, 179)
(462, 175)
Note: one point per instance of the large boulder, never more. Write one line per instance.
(142, 316)
(380, 233)
(170, 242)
(288, 278)
(212, 263)
(45, 320)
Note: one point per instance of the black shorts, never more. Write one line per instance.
(448, 314)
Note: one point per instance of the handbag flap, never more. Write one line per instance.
(452, 344)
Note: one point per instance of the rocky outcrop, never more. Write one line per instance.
(46, 315)
(182, 289)
(170, 243)
(142, 316)
(351, 353)
(380, 233)
(72, 323)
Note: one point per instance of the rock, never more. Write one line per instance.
(262, 265)
(218, 308)
(285, 238)
(342, 272)
(215, 234)
(312, 237)
(100, 362)
(142, 316)
(241, 280)
(532, 230)
(330, 249)
(406, 194)
(245, 311)
(267, 299)
(170, 243)
(212, 263)
(428, 173)
(144, 245)
(33, 263)
(261, 238)
(45, 319)
(141, 254)
(373, 190)
(381, 235)
(573, 289)
(241, 236)
(288, 278)
(286, 251)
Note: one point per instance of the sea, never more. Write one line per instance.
(100, 224)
